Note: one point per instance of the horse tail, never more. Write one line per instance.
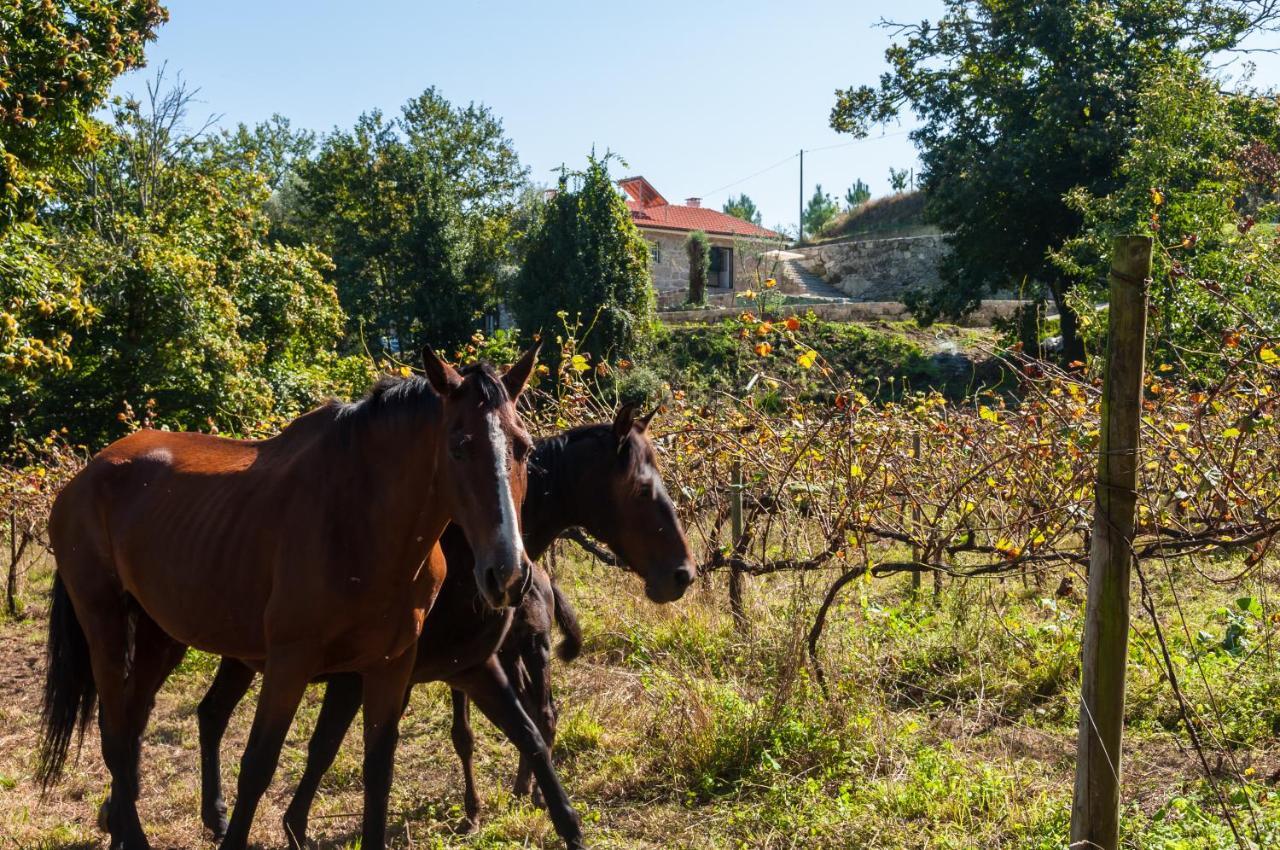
(571, 647)
(69, 691)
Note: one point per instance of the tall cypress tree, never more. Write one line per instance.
(587, 259)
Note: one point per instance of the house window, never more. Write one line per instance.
(655, 252)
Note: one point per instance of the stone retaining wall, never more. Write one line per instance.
(878, 269)
(857, 311)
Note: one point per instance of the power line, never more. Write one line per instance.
(777, 164)
(784, 161)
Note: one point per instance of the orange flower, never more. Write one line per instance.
(770, 283)
(793, 324)
(764, 349)
(764, 328)
(747, 316)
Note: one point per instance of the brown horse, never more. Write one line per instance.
(310, 553)
(603, 478)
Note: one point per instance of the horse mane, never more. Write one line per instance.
(412, 398)
(548, 462)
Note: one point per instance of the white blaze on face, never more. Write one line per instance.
(509, 527)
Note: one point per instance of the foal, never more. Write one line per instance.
(309, 553)
(601, 477)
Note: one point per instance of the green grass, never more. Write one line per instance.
(947, 723)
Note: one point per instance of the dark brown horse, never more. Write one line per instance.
(603, 478)
(313, 552)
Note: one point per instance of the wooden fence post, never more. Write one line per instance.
(1095, 811)
(735, 520)
(915, 521)
(11, 581)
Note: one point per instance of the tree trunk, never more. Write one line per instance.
(1069, 325)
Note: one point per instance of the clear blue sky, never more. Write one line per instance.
(694, 95)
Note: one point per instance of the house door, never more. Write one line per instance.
(721, 268)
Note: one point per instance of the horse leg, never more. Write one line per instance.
(229, 687)
(155, 654)
(538, 702)
(385, 696)
(283, 684)
(488, 686)
(342, 696)
(105, 620)
(464, 746)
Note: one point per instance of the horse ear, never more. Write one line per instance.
(643, 421)
(623, 420)
(515, 378)
(444, 379)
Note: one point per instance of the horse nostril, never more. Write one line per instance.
(493, 585)
(683, 577)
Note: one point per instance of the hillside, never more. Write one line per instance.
(892, 215)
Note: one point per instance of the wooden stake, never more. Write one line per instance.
(1095, 812)
(735, 519)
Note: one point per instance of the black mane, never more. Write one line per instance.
(404, 398)
(391, 396)
(549, 468)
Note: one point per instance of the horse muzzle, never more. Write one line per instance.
(504, 578)
(671, 584)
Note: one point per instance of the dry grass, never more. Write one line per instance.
(676, 731)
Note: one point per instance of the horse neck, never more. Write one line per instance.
(402, 461)
(556, 497)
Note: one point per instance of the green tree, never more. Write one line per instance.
(698, 249)
(586, 260)
(820, 211)
(57, 61)
(899, 179)
(418, 216)
(856, 195)
(271, 148)
(1018, 104)
(1201, 171)
(742, 207)
(199, 315)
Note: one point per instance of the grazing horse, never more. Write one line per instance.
(310, 553)
(603, 478)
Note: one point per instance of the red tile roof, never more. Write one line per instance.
(650, 210)
(676, 217)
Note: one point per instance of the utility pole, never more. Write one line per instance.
(800, 227)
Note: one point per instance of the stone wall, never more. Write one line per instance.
(878, 269)
(854, 311)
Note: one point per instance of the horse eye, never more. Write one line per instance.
(458, 446)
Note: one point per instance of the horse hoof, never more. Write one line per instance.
(104, 816)
(296, 831)
(536, 799)
(215, 820)
(467, 826)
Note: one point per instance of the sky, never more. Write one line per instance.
(704, 98)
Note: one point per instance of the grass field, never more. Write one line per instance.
(950, 723)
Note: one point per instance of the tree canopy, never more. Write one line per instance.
(587, 262)
(820, 211)
(741, 206)
(57, 61)
(856, 195)
(417, 215)
(1019, 104)
(196, 313)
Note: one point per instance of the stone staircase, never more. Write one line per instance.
(798, 280)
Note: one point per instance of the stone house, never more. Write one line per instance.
(737, 247)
